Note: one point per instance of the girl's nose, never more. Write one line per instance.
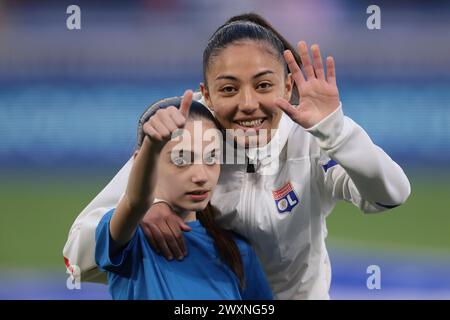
(199, 175)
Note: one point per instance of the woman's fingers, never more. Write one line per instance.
(288, 108)
(166, 236)
(160, 240)
(331, 72)
(295, 70)
(312, 70)
(172, 243)
(306, 61)
(180, 250)
(317, 62)
(162, 227)
(183, 226)
(150, 237)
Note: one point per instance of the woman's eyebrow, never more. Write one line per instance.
(263, 73)
(227, 77)
(233, 78)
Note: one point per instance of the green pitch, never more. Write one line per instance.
(37, 211)
(422, 224)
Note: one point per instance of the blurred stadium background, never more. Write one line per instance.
(70, 100)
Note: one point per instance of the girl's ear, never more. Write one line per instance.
(206, 96)
(135, 154)
(288, 87)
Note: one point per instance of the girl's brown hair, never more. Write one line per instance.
(223, 240)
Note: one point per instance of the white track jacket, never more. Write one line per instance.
(281, 207)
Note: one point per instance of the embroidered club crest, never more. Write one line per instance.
(285, 198)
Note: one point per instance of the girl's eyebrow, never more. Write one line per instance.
(233, 78)
(182, 152)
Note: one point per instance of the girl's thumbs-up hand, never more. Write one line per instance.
(160, 127)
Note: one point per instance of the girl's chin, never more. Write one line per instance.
(195, 206)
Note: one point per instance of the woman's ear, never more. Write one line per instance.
(288, 87)
(206, 96)
(135, 154)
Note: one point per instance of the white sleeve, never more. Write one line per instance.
(364, 174)
(79, 248)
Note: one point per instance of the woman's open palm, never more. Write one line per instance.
(319, 95)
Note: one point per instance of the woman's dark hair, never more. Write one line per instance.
(223, 240)
(249, 26)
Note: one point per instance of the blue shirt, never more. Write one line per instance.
(137, 272)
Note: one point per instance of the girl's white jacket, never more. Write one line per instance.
(281, 207)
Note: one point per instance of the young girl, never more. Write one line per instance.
(184, 174)
(280, 198)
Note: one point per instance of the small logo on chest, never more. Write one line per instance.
(285, 198)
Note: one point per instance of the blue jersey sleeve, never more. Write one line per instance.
(256, 285)
(104, 243)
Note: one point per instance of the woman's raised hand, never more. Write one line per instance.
(318, 93)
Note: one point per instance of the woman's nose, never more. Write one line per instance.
(249, 102)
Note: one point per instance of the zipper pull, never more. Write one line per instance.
(250, 168)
